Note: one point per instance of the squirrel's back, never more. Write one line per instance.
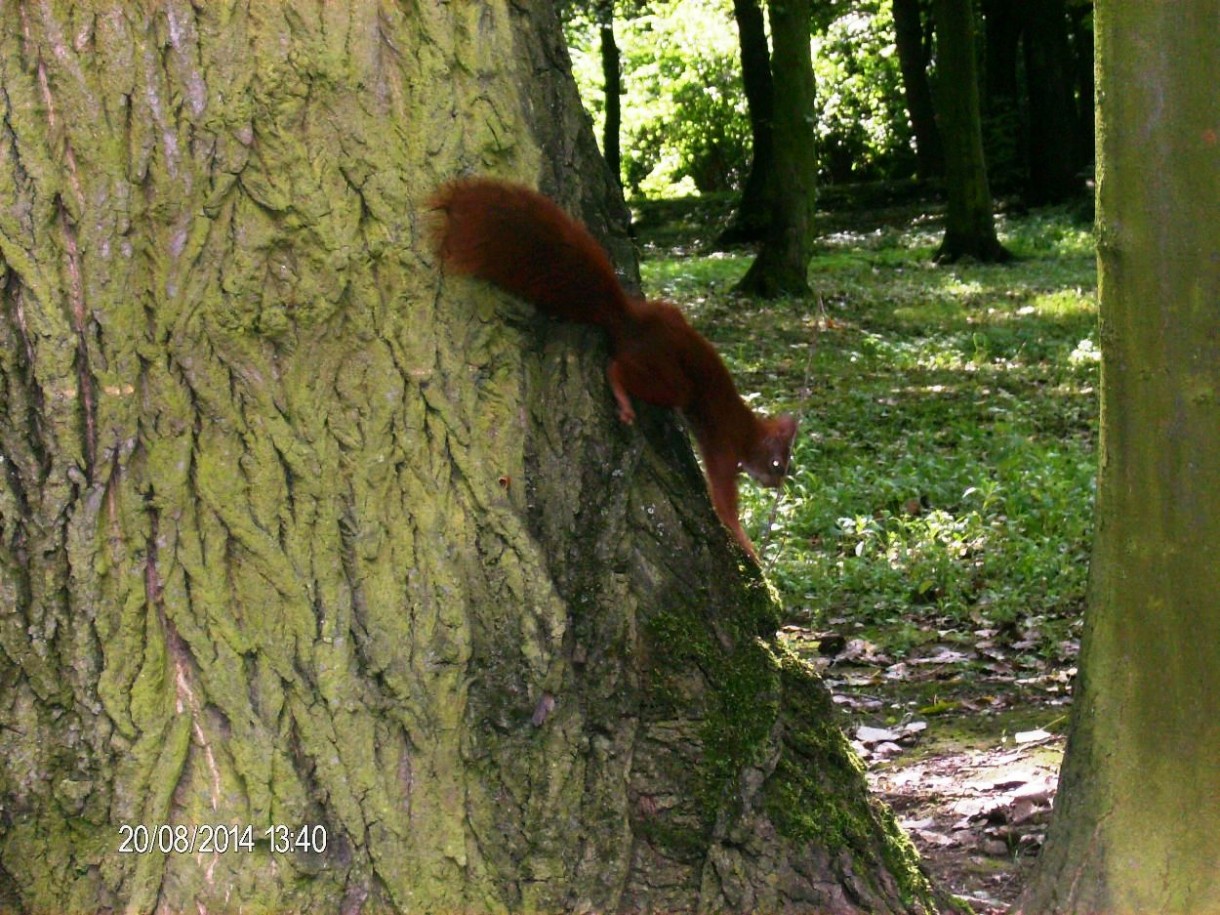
(517, 239)
(521, 241)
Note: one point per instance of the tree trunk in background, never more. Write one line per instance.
(969, 223)
(295, 534)
(782, 265)
(753, 213)
(1054, 164)
(1139, 795)
(612, 78)
(913, 58)
(1005, 133)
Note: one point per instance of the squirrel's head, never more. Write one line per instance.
(768, 461)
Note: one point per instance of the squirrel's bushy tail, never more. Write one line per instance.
(521, 241)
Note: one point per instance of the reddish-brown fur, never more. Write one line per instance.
(519, 240)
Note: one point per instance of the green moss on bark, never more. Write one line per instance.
(740, 695)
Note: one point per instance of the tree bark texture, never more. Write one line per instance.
(295, 534)
(969, 222)
(1140, 789)
(913, 58)
(782, 265)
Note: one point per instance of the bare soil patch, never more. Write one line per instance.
(963, 743)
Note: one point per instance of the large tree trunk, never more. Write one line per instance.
(913, 58)
(753, 213)
(1139, 795)
(293, 535)
(782, 265)
(969, 222)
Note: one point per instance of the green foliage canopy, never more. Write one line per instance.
(685, 122)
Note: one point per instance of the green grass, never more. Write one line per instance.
(943, 473)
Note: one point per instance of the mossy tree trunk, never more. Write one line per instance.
(293, 534)
(1140, 790)
(782, 265)
(969, 222)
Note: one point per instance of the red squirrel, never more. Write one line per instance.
(522, 242)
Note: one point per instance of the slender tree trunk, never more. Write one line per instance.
(1005, 133)
(969, 222)
(326, 583)
(612, 78)
(782, 265)
(1053, 161)
(1140, 790)
(1003, 23)
(753, 214)
(913, 58)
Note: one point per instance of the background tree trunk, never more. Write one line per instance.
(1054, 163)
(753, 213)
(782, 264)
(290, 538)
(969, 223)
(913, 57)
(1005, 131)
(1140, 789)
(612, 78)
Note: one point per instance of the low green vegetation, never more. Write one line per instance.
(943, 476)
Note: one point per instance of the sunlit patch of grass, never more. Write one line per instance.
(943, 473)
(1075, 302)
(691, 278)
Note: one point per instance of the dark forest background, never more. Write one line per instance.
(683, 119)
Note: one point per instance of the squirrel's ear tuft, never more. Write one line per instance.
(785, 427)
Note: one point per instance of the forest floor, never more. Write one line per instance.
(931, 544)
(970, 775)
